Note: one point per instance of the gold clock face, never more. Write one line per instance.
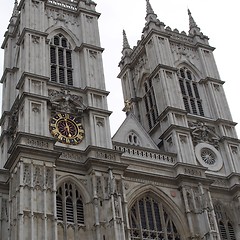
(66, 128)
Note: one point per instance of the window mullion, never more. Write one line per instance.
(65, 66)
(140, 221)
(64, 207)
(164, 227)
(57, 66)
(74, 204)
(154, 217)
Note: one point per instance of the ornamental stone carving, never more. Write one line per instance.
(202, 133)
(63, 101)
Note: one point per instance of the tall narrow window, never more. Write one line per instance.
(149, 220)
(189, 89)
(61, 60)
(69, 204)
(150, 104)
(226, 229)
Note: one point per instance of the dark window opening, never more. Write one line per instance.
(149, 220)
(150, 104)
(189, 89)
(70, 208)
(61, 60)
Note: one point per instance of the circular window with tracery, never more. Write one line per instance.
(208, 156)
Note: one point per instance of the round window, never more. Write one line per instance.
(208, 156)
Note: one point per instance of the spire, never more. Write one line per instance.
(150, 13)
(149, 8)
(192, 22)
(126, 47)
(151, 19)
(193, 27)
(125, 40)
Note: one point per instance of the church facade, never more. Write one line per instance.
(170, 172)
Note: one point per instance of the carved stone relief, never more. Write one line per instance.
(183, 51)
(202, 133)
(62, 16)
(13, 123)
(35, 39)
(38, 177)
(27, 174)
(4, 209)
(49, 178)
(64, 101)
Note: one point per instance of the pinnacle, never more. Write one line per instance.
(125, 40)
(149, 8)
(192, 23)
(15, 10)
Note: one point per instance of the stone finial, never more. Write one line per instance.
(192, 22)
(151, 18)
(125, 40)
(149, 8)
(193, 27)
(126, 47)
(150, 13)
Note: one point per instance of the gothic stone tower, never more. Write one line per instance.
(55, 125)
(172, 90)
(170, 172)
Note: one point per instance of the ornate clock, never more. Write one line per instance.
(66, 128)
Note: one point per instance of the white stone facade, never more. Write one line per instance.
(172, 169)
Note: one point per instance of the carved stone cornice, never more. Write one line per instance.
(26, 144)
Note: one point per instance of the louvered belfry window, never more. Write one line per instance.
(150, 104)
(148, 219)
(61, 60)
(190, 93)
(69, 204)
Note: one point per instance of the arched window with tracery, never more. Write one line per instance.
(225, 226)
(190, 93)
(69, 204)
(133, 139)
(61, 60)
(150, 103)
(149, 219)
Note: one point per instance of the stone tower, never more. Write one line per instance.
(170, 172)
(172, 88)
(55, 121)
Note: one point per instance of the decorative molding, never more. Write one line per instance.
(37, 143)
(193, 172)
(71, 156)
(105, 155)
(143, 154)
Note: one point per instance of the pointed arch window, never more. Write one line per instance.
(190, 93)
(225, 226)
(133, 139)
(69, 204)
(61, 60)
(150, 104)
(148, 219)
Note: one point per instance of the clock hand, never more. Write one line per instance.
(68, 128)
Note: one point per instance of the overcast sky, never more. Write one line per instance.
(218, 19)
